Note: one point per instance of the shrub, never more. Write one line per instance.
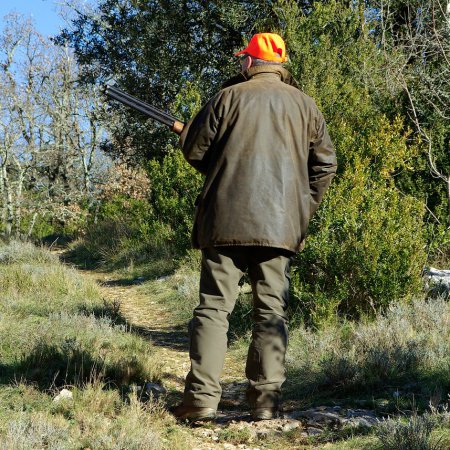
(366, 244)
(365, 251)
(413, 435)
(409, 343)
(175, 186)
(24, 252)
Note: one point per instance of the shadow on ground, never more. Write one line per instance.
(50, 366)
(175, 338)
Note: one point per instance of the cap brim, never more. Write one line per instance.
(241, 52)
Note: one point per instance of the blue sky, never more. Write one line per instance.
(43, 12)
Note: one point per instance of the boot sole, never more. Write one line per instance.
(266, 415)
(192, 417)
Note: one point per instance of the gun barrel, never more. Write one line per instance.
(143, 107)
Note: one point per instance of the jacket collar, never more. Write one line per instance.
(246, 75)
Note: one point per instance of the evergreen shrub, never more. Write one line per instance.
(366, 247)
(366, 243)
(174, 189)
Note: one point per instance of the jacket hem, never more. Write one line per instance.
(250, 244)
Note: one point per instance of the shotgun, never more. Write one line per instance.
(175, 125)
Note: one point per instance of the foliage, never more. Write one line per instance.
(369, 241)
(175, 186)
(364, 252)
(413, 435)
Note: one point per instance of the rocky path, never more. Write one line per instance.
(233, 428)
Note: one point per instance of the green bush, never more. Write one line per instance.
(366, 244)
(365, 251)
(174, 188)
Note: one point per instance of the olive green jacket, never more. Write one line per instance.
(268, 160)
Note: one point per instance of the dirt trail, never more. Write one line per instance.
(149, 318)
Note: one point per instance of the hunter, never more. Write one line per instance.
(268, 160)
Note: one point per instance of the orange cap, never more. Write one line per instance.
(266, 46)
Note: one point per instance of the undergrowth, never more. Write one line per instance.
(57, 332)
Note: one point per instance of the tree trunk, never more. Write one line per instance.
(18, 200)
(448, 199)
(9, 207)
(33, 221)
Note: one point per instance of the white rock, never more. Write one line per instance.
(435, 278)
(290, 426)
(65, 394)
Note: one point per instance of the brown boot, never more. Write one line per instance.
(265, 413)
(193, 413)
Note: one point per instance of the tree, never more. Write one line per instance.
(49, 132)
(153, 49)
(415, 37)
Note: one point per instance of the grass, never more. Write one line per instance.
(56, 331)
(54, 325)
(125, 246)
(407, 349)
(96, 418)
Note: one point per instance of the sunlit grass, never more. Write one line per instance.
(57, 331)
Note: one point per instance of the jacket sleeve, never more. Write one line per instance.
(198, 135)
(322, 162)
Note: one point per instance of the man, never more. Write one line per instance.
(268, 160)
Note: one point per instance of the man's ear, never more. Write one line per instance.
(247, 63)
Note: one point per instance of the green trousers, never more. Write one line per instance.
(222, 268)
